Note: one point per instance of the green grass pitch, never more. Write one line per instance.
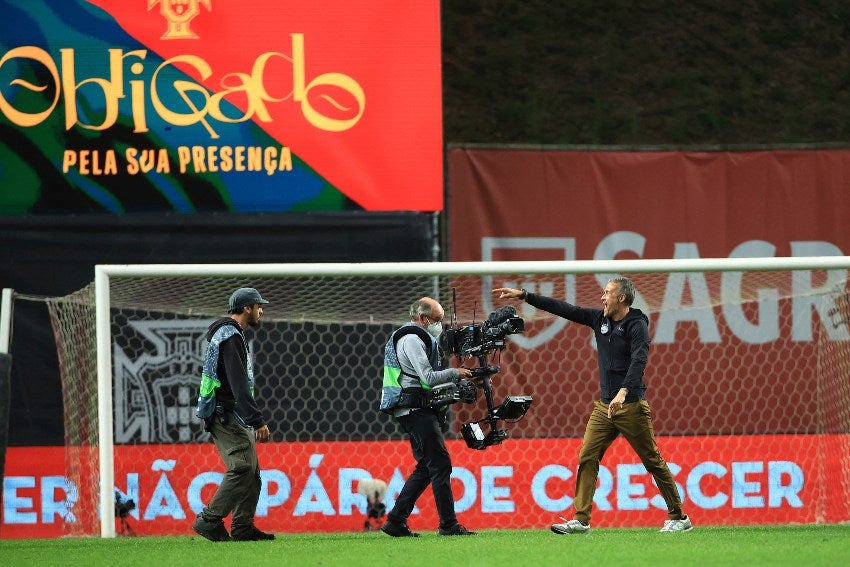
(806, 545)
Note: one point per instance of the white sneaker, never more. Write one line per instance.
(570, 527)
(683, 525)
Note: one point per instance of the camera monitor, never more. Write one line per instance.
(514, 407)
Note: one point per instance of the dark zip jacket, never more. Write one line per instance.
(234, 373)
(623, 346)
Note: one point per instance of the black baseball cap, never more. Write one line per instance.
(244, 297)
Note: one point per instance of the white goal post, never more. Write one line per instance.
(487, 272)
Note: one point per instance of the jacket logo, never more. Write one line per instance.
(179, 14)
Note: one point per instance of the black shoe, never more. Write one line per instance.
(213, 531)
(456, 529)
(250, 533)
(397, 530)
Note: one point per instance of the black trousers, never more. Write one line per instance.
(433, 466)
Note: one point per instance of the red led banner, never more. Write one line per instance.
(523, 483)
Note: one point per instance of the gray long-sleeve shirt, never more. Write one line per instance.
(413, 359)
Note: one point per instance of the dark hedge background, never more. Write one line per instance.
(650, 73)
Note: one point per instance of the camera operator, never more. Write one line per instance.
(411, 369)
(622, 339)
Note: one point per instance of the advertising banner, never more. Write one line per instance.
(216, 105)
(312, 487)
(649, 204)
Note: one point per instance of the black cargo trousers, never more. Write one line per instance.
(433, 466)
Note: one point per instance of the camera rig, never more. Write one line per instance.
(480, 341)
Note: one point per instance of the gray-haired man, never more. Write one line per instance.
(622, 339)
(411, 368)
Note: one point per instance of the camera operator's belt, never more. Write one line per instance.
(413, 398)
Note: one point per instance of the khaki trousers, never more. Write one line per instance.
(239, 491)
(634, 422)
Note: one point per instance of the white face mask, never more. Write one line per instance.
(435, 329)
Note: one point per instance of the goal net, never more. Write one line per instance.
(748, 378)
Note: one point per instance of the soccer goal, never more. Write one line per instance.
(748, 378)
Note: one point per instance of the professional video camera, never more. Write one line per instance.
(475, 340)
(480, 341)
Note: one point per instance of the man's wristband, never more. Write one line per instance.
(523, 295)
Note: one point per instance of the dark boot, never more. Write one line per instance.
(456, 529)
(250, 533)
(397, 530)
(213, 531)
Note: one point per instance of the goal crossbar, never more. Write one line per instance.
(633, 266)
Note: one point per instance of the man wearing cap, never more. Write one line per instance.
(227, 407)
